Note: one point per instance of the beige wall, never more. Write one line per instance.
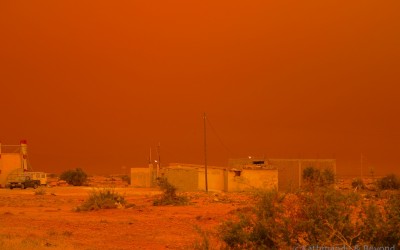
(9, 162)
(291, 170)
(190, 178)
(184, 179)
(218, 179)
(250, 179)
(141, 177)
(215, 179)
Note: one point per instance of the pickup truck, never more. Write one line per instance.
(23, 183)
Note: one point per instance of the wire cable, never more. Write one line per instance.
(219, 138)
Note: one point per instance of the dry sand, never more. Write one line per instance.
(29, 221)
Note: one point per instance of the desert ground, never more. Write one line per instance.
(49, 221)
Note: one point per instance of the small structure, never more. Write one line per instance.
(141, 177)
(290, 170)
(14, 163)
(13, 159)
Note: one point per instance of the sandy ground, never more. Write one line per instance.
(29, 221)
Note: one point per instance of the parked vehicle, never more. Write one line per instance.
(23, 182)
(42, 177)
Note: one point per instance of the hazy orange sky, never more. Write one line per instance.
(94, 84)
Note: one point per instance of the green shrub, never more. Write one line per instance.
(381, 226)
(75, 177)
(322, 217)
(126, 178)
(315, 177)
(204, 243)
(169, 196)
(326, 217)
(358, 183)
(390, 181)
(258, 229)
(106, 198)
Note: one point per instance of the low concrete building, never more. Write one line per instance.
(290, 170)
(240, 175)
(190, 177)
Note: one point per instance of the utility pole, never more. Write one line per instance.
(159, 160)
(205, 152)
(361, 165)
(150, 156)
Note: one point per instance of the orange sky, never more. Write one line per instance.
(94, 84)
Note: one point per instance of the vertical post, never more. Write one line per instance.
(159, 159)
(1, 167)
(299, 174)
(205, 152)
(361, 165)
(150, 156)
(24, 155)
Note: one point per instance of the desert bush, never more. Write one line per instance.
(381, 226)
(169, 196)
(390, 181)
(75, 177)
(322, 217)
(258, 229)
(126, 178)
(40, 191)
(52, 175)
(315, 177)
(358, 183)
(106, 198)
(204, 243)
(326, 217)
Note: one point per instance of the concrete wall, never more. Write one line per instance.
(141, 177)
(184, 179)
(291, 170)
(250, 179)
(215, 179)
(9, 162)
(192, 178)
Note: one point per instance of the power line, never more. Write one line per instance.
(219, 138)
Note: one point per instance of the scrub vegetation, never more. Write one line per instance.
(106, 198)
(315, 177)
(169, 195)
(358, 183)
(75, 177)
(388, 182)
(321, 215)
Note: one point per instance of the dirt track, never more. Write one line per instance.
(29, 221)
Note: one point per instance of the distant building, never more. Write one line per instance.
(190, 177)
(290, 170)
(240, 175)
(13, 160)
